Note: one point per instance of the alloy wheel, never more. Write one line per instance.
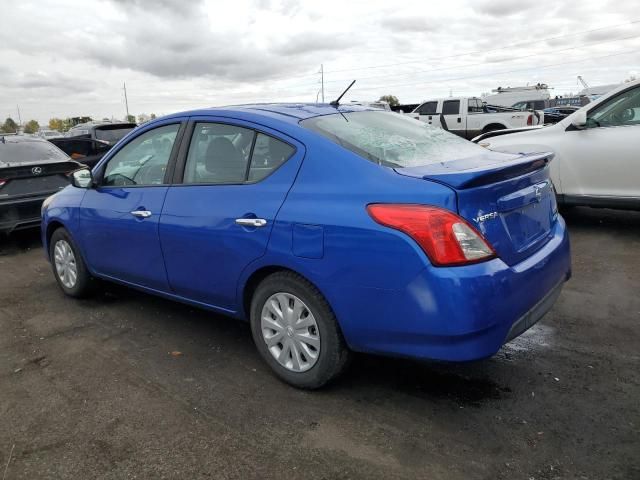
(65, 262)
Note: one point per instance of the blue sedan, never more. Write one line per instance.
(331, 229)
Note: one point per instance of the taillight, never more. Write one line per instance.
(446, 238)
(2, 182)
(530, 120)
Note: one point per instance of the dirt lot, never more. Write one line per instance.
(89, 389)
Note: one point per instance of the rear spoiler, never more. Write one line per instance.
(469, 173)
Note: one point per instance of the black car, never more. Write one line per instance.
(107, 132)
(88, 142)
(85, 150)
(31, 169)
(555, 114)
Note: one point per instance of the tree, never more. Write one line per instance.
(31, 126)
(56, 124)
(9, 126)
(152, 116)
(390, 99)
(131, 119)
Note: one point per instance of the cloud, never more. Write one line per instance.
(501, 8)
(409, 23)
(306, 43)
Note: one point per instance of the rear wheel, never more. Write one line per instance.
(296, 332)
(68, 266)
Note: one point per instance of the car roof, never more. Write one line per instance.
(287, 112)
(13, 138)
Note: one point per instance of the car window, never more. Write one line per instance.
(112, 135)
(218, 153)
(19, 150)
(99, 147)
(623, 109)
(428, 108)
(390, 139)
(142, 161)
(475, 106)
(451, 107)
(268, 154)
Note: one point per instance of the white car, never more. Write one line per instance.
(468, 116)
(597, 150)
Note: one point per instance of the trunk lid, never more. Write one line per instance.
(508, 198)
(34, 178)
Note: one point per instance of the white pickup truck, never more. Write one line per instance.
(469, 116)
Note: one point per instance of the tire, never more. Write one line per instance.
(83, 283)
(332, 354)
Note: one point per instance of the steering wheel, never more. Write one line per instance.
(152, 175)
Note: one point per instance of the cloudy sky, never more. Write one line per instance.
(68, 57)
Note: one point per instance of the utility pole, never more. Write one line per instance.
(19, 117)
(322, 80)
(126, 102)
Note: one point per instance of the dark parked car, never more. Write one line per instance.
(110, 133)
(88, 142)
(555, 114)
(31, 169)
(85, 150)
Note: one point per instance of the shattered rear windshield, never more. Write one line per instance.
(392, 139)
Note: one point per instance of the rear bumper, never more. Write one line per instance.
(21, 213)
(457, 314)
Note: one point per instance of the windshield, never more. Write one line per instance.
(29, 151)
(112, 135)
(392, 139)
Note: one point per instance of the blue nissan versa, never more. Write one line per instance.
(330, 228)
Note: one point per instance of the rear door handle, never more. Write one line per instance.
(141, 213)
(251, 222)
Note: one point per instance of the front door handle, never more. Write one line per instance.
(141, 213)
(251, 222)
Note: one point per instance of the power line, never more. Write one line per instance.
(502, 72)
(422, 60)
(487, 51)
(487, 63)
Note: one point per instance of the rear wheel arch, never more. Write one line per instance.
(258, 276)
(493, 127)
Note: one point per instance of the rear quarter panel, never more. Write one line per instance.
(327, 205)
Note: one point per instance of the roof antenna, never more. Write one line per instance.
(336, 102)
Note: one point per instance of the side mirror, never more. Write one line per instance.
(82, 178)
(579, 119)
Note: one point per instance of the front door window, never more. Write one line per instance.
(142, 161)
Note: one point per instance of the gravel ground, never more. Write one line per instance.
(126, 385)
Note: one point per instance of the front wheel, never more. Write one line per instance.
(68, 266)
(296, 332)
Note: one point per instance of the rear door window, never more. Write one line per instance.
(268, 154)
(218, 153)
(451, 107)
(475, 105)
(223, 154)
